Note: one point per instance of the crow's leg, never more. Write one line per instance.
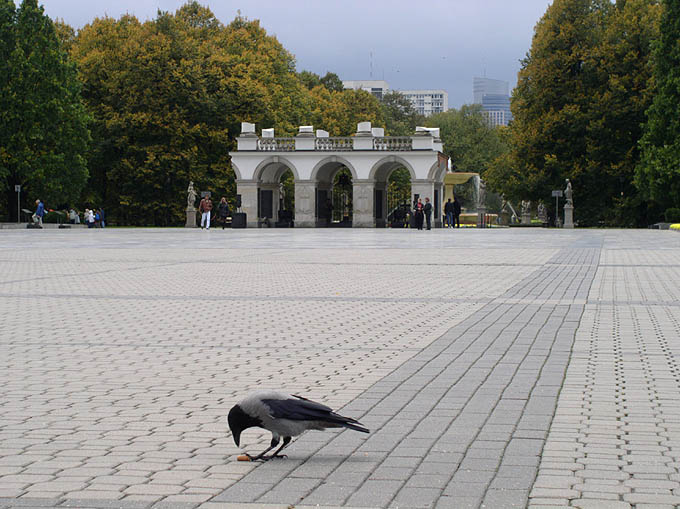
(286, 442)
(261, 456)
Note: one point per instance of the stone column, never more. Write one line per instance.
(305, 216)
(248, 190)
(423, 188)
(568, 216)
(437, 220)
(362, 201)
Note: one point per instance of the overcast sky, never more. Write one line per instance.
(414, 44)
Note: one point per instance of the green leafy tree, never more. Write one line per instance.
(309, 79)
(332, 82)
(168, 97)
(624, 91)
(340, 112)
(468, 139)
(43, 123)
(400, 116)
(658, 174)
(581, 94)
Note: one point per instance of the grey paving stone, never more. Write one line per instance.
(416, 497)
(515, 339)
(504, 498)
(374, 493)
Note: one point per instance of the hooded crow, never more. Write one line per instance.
(285, 416)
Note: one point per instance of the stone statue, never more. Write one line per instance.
(568, 194)
(481, 198)
(191, 195)
(526, 207)
(191, 211)
(526, 212)
(542, 213)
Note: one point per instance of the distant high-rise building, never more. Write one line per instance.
(494, 98)
(427, 102)
(497, 109)
(376, 87)
(487, 86)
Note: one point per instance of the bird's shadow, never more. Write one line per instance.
(321, 459)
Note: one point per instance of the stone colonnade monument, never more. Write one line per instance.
(314, 158)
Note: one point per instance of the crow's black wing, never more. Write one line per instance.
(297, 409)
(301, 409)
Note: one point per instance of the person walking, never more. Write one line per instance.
(39, 212)
(419, 212)
(205, 208)
(89, 217)
(456, 211)
(448, 210)
(223, 211)
(428, 213)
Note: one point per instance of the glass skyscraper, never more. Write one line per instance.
(494, 98)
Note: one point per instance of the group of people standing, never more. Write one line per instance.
(205, 208)
(452, 210)
(423, 213)
(94, 218)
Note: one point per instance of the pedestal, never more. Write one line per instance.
(191, 218)
(305, 216)
(362, 201)
(481, 213)
(526, 218)
(568, 216)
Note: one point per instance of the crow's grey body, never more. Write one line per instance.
(285, 416)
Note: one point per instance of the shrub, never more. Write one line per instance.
(673, 215)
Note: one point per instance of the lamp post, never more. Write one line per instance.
(557, 194)
(17, 188)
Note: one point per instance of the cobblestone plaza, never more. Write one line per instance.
(495, 368)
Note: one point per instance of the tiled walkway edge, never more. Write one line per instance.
(463, 423)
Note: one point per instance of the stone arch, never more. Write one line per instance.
(437, 172)
(237, 172)
(394, 161)
(283, 163)
(333, 159)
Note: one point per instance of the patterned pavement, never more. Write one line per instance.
(124, 350)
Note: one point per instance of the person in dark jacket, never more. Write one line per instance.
(456, 211)
(428, 213)
(223, 211)
(448, 210)
(419, 212)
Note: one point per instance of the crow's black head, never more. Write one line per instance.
(239, 421)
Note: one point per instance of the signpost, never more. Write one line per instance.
(557, 194)
(17, 189)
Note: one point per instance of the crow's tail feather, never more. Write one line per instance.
(356, 427)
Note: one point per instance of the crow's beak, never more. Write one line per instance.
(237, 438)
